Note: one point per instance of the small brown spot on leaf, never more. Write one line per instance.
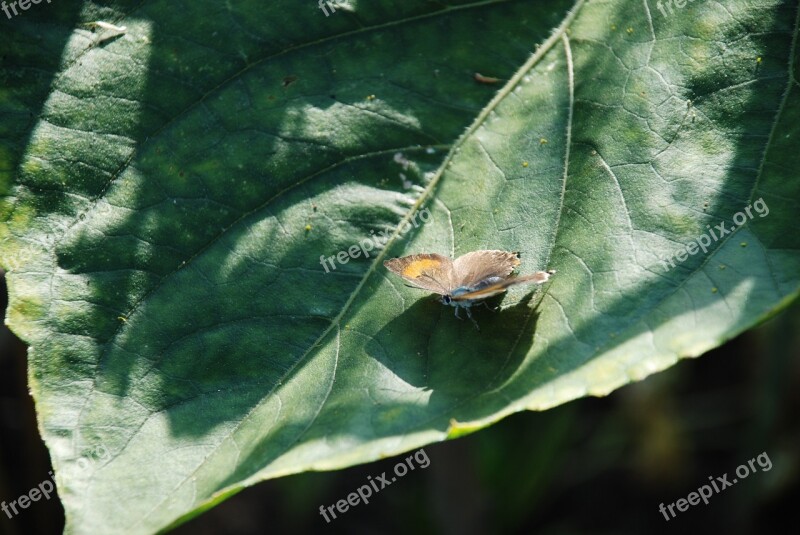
(485, 79)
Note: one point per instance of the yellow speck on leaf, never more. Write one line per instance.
(308, 228)
(524, 164)
(457, 429)
(543, 141)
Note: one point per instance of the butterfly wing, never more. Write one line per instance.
(493, 289)
(472, 268)
(428, 271)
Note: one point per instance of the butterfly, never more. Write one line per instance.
(467, 280)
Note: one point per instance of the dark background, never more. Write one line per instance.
(595, 465)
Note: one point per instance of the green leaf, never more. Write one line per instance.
(169, 187)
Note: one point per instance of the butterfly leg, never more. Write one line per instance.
(469, 315)
(459, 317)
(495, 309)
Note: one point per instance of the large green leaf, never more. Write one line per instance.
(169, 189)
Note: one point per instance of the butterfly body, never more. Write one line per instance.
(460, 296)
(467, 280)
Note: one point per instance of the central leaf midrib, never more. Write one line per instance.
(432, 183)
(235, 76)
(336, 321)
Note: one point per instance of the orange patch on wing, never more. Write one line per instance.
(418, 267)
